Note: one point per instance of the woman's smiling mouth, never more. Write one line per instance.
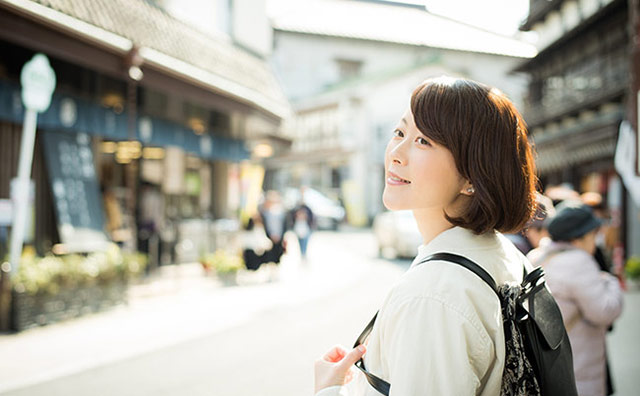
(396, 180)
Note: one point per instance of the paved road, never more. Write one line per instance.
(266, 349)
(254, 340)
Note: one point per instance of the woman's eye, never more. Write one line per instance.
(423, 141)
(398, 133)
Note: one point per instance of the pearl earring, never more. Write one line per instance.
(471, 190)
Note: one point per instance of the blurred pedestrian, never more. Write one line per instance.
(602, 252)
(535, 232)
(150, 214)
(589, 298)
(255, 243)
(274, 218)
(560, 193)
(460, 160)
(302, 223)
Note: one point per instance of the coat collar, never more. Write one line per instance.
(492, 251)
(460, 241)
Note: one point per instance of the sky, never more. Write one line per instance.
(501, 16)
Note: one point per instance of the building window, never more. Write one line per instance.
(348, 68)
(335, 178)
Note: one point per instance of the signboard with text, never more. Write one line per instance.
(75, 190)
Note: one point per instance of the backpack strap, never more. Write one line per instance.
(381, 385)
(468, 264)
(377, 383)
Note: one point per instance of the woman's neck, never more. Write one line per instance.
(431, 223)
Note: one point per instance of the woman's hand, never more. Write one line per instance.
(334, 368)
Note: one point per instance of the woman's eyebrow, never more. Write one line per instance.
(403, 121)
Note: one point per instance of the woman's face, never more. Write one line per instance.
(419, 174)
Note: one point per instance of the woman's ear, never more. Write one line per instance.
(467, 189)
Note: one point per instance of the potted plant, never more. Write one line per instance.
(53, 288)
(224, 264)
(632, 268)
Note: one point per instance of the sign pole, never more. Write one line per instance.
(22, 187)
(38, 83)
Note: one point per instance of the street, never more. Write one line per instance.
(259, 339)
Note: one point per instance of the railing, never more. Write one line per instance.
(576, 89)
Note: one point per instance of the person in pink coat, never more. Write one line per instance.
(589, 299)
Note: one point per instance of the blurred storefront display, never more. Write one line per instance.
(146, 131)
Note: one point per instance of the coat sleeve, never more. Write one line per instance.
(434, 348)
(597, 293)
(332, 391)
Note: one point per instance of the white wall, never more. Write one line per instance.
(243, 20)
(204, 15)
(250, 26)
(305, 64)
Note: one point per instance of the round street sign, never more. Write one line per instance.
(38, 82)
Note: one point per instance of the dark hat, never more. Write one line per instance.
(573, 219)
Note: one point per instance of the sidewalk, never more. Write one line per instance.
(178, 304)
(624, 347)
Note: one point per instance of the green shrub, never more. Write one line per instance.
(632, 267)
(50, 274)
(134, 264)
(222, 262)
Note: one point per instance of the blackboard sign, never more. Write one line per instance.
(76, 194)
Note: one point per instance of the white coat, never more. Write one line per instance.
(439, 331)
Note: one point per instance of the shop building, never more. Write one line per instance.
(578, 96)
(148, 127)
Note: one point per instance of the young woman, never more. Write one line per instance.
(460, 159)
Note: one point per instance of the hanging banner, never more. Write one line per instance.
(251, 181)
(625, 161)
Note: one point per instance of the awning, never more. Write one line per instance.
(560, 156)
(579, 144)
(73, 114)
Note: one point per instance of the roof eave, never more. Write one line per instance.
(168, 64)
(522, 54)
(539, 14)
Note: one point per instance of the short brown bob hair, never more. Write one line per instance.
(488, 140)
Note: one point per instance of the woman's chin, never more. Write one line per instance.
(391, 204)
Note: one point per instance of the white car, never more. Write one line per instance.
(397, 234)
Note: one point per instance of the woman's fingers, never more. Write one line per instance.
(352, 357)
(334, 368)
(335, 354)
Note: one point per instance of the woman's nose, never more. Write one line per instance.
(396, 154)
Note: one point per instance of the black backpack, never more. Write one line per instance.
(538, 357)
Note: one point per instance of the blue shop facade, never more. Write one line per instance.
(139, 160)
